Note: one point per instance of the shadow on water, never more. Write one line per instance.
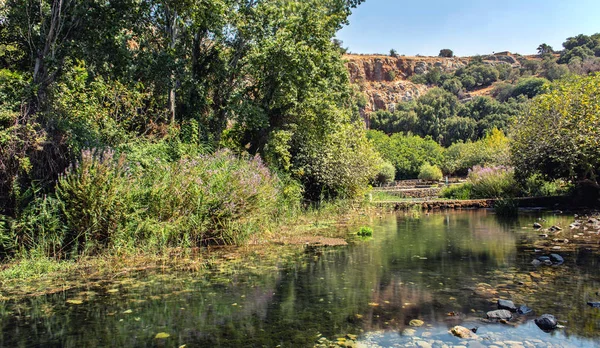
(445, 269)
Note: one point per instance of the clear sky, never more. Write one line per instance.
(468, 27)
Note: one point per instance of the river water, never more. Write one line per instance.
(444, 269)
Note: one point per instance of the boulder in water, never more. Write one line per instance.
(546, 322)
(524, 310)
(500, 314)
(462, 332)
(506, 304)
(557, 259)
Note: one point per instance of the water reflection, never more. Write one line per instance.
(444, 269)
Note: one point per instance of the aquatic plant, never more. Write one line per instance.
(365, 232)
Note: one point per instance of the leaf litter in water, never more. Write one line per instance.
(162, 335)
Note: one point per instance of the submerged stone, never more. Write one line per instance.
(500, 314)
(507, 304)
(524, 310)
(537, 225)
(416, 322)
(462, 332)
(594, 304)
(557, 259)
(546, 322)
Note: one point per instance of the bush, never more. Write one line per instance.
(460, 191)
(430, 173)
(492, 182)
(536, 185)
(530, 87)
(387, 173)
(391, 75)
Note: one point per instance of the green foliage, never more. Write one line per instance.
(558, 136)
(391, 75)
(544, 49)
(407, 152)
(430, 173)
(458, 191)
(535, 185)
(477, 75)
(386, 174)
(365, 231)
(554, 71)
(433, 76)
(112, 203)
(492, 182)
(393, 53)
(338, 165)
(580, 46)
(531, 66)
(419, 79)
(446, 53)
(94, 198)
(453, 86)
(492, 150)
(529, 87)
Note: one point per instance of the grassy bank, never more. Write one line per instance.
(30, 273)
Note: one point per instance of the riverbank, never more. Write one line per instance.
(33, 275)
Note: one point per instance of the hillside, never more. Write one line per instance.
(385, 80)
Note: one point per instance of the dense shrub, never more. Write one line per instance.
(430, 173)
(529, 87)
(492, 182)
(386, 174)
(457, 191)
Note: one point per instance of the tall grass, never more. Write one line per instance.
(107, 202)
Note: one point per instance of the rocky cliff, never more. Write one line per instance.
(386, 81)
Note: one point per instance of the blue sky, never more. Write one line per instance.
(468, 27)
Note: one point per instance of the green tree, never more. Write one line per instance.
(446, 53)
(544, 49)
(558, 136)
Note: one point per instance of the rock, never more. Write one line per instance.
(548, 263)
(500, 314)
(594, 304)
(544, 258)
(524, 310)
(555, 228)
(423, 344)
(536, 263)
(462, 332)
(546, 322)
(416, 322)
(557, 259)
(506, 304)
(543, 235)
(537, 225)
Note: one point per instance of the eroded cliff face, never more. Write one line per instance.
(385, 80)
